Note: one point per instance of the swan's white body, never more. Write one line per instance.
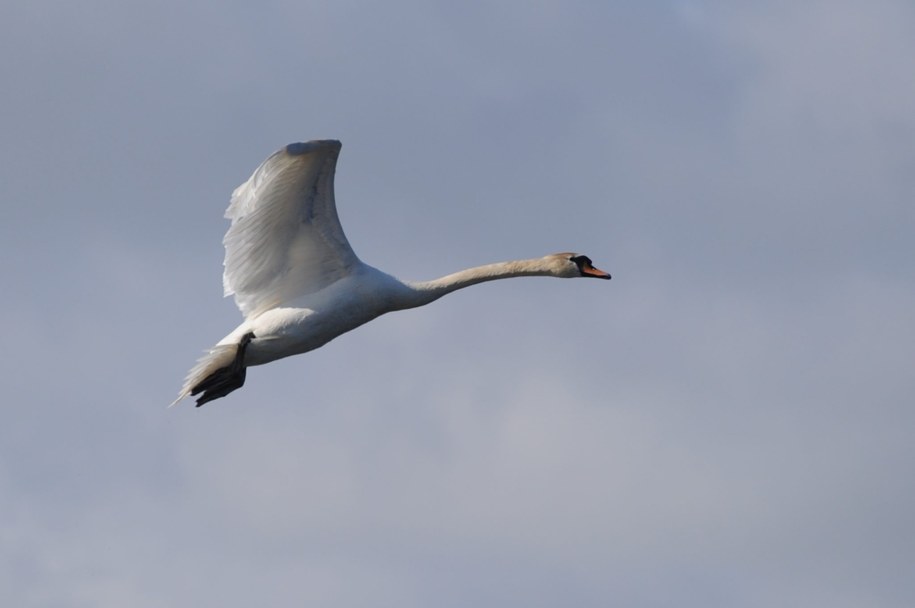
(298, 282)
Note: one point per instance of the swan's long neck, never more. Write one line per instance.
(423, 292)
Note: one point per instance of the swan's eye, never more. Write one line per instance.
(582, 261)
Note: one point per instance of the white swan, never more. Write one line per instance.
(296, 279)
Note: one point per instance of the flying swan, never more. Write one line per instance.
(298, 282)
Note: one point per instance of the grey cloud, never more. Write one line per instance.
(724, 423)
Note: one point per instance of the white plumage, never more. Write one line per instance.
(298, 282)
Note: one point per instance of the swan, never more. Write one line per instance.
(298, 282)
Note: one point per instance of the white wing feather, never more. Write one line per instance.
(285, 240)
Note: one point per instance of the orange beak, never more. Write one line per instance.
(597, 273)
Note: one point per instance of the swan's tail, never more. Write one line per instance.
(219, 357)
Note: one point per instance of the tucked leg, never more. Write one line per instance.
(226, 379)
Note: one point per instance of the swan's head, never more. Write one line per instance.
(571, 265)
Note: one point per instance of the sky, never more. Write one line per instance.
(728, 422)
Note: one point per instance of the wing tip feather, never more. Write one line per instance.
(307, 147)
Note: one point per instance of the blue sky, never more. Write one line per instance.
(727, 422)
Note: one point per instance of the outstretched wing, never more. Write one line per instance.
(285, 240)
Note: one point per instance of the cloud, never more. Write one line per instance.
(723, 423)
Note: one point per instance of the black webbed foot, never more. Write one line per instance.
(225, 379)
